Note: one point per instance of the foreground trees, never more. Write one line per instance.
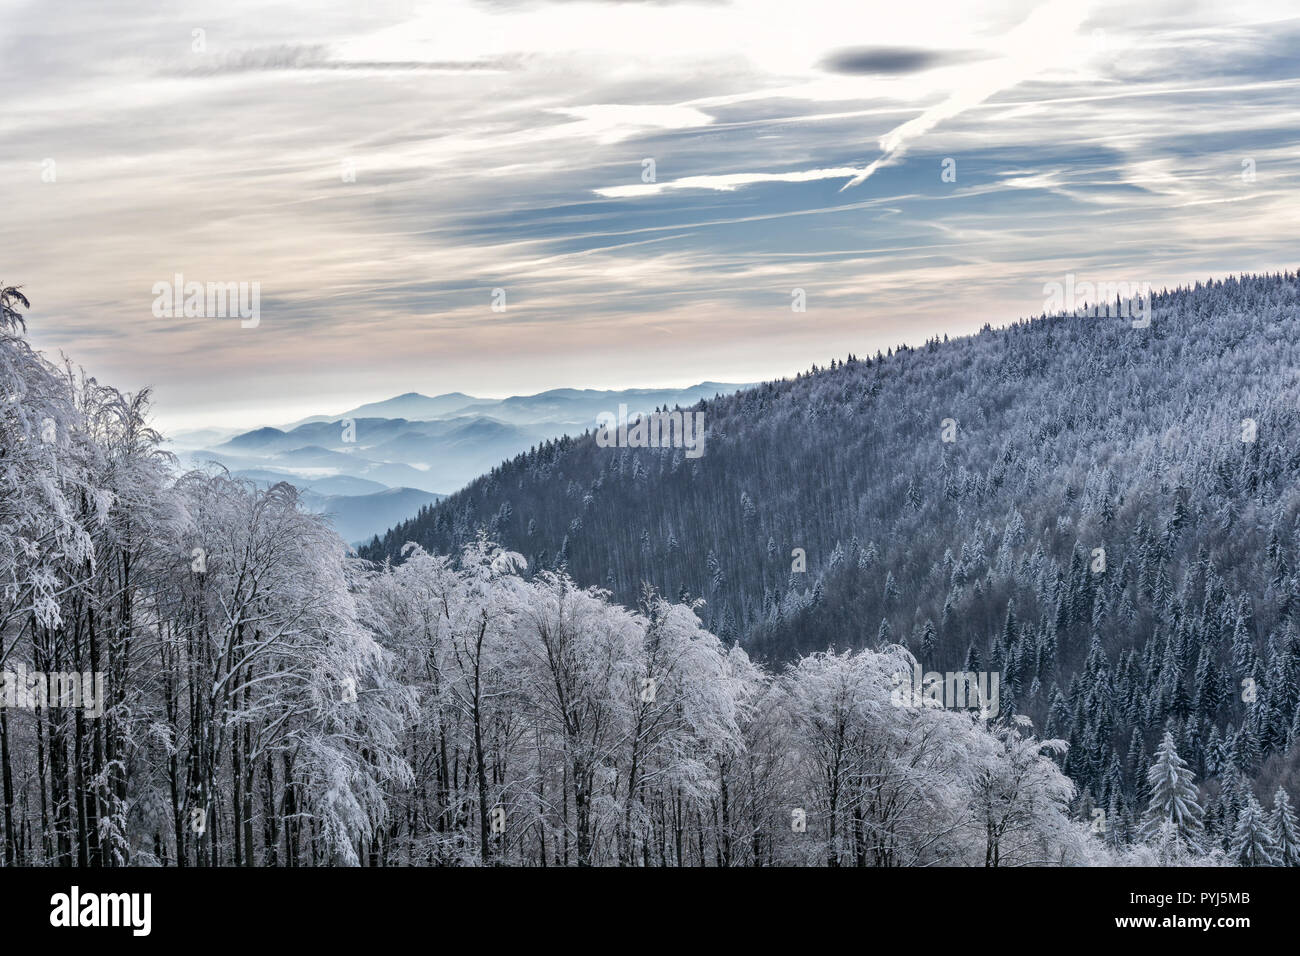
(175, 651)
(556, 728)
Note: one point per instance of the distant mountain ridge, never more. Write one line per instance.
(411, 405)
(424, 445)
(570, 405)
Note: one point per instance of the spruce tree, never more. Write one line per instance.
(1173, 796)
(1252, 843)
(927, 641)
(1285, 832)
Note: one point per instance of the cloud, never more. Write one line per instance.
(722, 183)
(379, 172)
(1036, 43)
(614, 122)
(862, 60)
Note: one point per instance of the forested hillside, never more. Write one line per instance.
(1105, 515)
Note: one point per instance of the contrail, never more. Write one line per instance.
(1036, 43)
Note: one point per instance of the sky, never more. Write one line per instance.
(500, 197)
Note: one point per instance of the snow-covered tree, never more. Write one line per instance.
(1252, 843)
(1174, 800)
(1284, 831)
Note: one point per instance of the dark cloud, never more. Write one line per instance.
(891, 60)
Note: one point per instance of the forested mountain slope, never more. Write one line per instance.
(1111, 524)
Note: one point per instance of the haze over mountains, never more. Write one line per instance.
(375, 465)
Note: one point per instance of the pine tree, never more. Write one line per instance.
(1230, 803)
(1245, 751)
(1252, 843)
(748, 511)
(891, 588)
(717, 578)
(927, 640)
(1173, 796)
(1136, 759)
(1058, 715)
(1205, 697)
(868, 556)
(1284, 830)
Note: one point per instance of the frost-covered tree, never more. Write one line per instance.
(1021, 798)
(1283, 830)
(1173, 800)
(1252, 843)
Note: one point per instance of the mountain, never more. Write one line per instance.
(303, 466)
(393, 452)
(257, 440)
(1105, 516)
(581, 406)
(344, 485)
(416, 407)
(187, 439)
(430, 444)
(570, 406)
(356, 507)
(356, 516)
